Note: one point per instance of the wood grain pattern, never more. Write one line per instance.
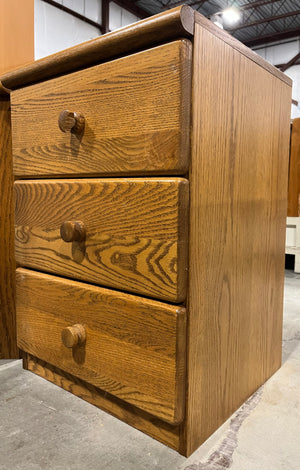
(8, 344)
(294, 171)
(169, 25)
(238, 187)
(166, 433)
(16, 23)
(134, 348)
(136, 232)
(136, 112)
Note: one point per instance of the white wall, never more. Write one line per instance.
(119, 17)
(281, 54)
(55, 30)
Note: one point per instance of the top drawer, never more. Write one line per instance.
(136, 118)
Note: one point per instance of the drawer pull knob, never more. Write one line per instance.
(71, 122)
(72, 336)
(72, 231)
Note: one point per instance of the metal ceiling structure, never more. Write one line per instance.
(262, 21)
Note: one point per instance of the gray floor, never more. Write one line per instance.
(44, 427)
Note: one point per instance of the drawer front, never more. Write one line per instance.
(130, 347)
(135, 232)
(136, 118)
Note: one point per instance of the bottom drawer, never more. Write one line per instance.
(131, 347)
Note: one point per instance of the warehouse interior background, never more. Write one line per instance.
(264, 433)
(273, 26)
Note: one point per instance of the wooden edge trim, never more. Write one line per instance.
(181, 378)
(182, 245)
(236, 44)
(4, 92)
(8, 342)
(178, 22)
(166, 433)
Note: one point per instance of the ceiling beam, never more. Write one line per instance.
(279, 66)
(132, 8)
(256, 4)
(171, 4)
(290, 63)
(260, 40)
(200, 3)
(265, 20)
(105, 16)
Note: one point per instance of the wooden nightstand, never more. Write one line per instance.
(151, 180)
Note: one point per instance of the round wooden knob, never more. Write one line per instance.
(73, 336)
(71, 122)
(72, 231)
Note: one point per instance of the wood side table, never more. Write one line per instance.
(151, 179)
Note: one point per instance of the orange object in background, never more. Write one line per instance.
(16, 49)
(294, 171)
(16, 33)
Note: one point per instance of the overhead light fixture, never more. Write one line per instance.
(217, 19)
(231, 16)
(228, 17)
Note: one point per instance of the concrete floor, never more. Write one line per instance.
(44, 427)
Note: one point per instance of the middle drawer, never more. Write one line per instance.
(129, 234)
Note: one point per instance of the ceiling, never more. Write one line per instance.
(262, 21)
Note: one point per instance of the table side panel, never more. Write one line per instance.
(238, 188)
